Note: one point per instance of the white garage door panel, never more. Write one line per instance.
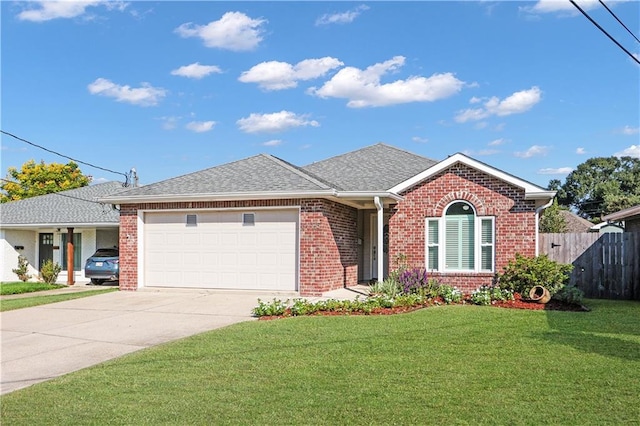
(221, 252)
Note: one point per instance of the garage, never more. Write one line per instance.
(229, 249)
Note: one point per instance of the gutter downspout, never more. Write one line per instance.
(538, 211)
(380, 209)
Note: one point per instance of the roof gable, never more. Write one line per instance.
(374, 168)
(258, 174)
(532, 191)
(74, 206)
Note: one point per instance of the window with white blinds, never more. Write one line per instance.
(460, 240)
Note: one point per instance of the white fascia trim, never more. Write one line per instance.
(60, 225)
(229, 196)
(531, 190)
(369, 195)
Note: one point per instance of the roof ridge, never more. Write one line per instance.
(300, 172)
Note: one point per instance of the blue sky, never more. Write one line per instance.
(532, 88)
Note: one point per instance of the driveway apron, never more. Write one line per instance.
(47, 341)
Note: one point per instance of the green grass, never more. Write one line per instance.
(20, 287)
(27, 302)
(441, 365)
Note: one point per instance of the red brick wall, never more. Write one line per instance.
(128, 247)
(328, 240)
(514, 220)
(328, 246)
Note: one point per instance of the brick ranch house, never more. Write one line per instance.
(264, 224)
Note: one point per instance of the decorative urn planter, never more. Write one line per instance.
(539, 294)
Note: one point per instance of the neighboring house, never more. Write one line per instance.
(262, 223)
(608, 227)
(37, 228)
(630, 217)
(575, 223)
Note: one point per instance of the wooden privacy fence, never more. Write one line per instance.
(605, 266)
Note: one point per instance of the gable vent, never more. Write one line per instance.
(248, 219)
(192, 220)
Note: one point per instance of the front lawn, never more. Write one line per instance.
(20, 287)
(440, 365)
(27, 302)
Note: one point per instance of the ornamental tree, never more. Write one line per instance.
(34, 179)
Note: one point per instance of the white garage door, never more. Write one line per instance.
(221, 249)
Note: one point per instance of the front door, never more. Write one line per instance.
(45, 248)
(373, 223)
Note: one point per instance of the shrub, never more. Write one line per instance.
(388, 287)
(487, 295)
(569, 294)
(523, 273)
(412, 280)
(276, 307)
(449, 294)
(49, 271)
(22, 269)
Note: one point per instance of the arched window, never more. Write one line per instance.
(460, 240)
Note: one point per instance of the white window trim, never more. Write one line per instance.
(478, 244)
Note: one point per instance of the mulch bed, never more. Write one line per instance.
(552, 305)
(517, 303)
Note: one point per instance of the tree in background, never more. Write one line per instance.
(600, 186)
(551, 220)
(40, 178)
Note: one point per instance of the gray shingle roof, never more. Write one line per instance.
(75, 206)
(374, 168)
(260, 173)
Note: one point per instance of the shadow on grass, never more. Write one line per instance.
(614, 347)
(610, 329)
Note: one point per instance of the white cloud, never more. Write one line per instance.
(272, 142)
(475, 100)
(517, 103)
(532, 151)
(196, 70)
(169, 123)
(553, 6)
(580, 151)
(363, 87)
(632, 151)
(275, 122)
(628, 130)
(558, 171)
(146, 95)
(200, 126)
(497, 142)
(418, 139)
(274, 75)
(41, 11)
(234, 31)
(341, 18)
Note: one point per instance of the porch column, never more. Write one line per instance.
(380, 248)
(70, 280)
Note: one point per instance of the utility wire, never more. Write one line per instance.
(126, 176)
(617, 19)
(604, 31)
(56, 193)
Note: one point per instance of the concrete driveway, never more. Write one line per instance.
(47, 341)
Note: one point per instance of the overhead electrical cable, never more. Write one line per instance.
(56, 193)
(126, 176)
(617, 19)
(604, 31)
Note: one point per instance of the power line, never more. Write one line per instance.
(604, 31)
(56, 193)
(67, 157)
(617, 19)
